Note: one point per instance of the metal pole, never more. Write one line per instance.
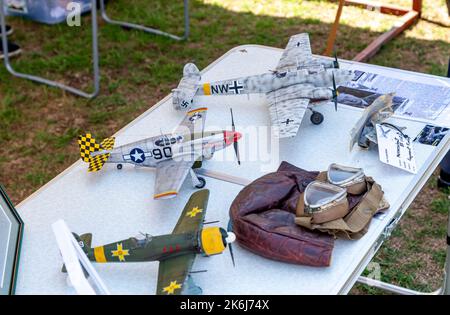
(149, 29)
(4, 36)
(393, 288)
(51, 83)
(187, 23)
(95, 54)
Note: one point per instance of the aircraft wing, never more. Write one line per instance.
(286, 113)
(297, 53)
(191, 220)
(193, 122)
(174, 271)
(172, 274)
(170, 175)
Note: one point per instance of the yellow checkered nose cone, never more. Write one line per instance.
(211, 241)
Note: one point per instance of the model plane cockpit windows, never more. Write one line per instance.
(166, 141)
(142, 239)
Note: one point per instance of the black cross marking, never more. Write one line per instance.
(288, 121)
(236, 87)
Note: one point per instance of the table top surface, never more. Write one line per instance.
(114, 204)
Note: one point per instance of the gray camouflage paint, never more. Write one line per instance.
(298, 79)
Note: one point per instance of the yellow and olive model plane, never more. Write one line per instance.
(175, 252)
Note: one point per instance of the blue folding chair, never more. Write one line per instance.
(95, 54)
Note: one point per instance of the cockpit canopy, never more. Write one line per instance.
(141, 240)
(166, 141)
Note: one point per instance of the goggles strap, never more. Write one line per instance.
(355, 224)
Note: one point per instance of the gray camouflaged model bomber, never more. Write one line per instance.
(298, 81)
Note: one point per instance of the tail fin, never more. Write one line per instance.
(84, 241)
(191, 70)
(183, 95)
(88, 145)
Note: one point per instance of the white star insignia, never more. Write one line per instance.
(137, 156)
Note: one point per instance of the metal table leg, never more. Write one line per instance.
(445, 289)
(95, 58)
(148, 29)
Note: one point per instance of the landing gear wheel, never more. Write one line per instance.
(119, 166)
(316, 118)
(202, 183)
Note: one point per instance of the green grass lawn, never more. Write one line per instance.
(39, 125)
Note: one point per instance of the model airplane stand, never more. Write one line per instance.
(116, 204)
(95, 54)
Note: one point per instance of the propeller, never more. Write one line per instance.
(335, 93)
(230, 239)
(235, 143)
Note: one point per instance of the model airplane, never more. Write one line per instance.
(298, 80)
(364, 133)
(175, 252)
(174, 156)
(395, 148)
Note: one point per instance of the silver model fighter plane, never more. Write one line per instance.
(174, 155)
(298, 80)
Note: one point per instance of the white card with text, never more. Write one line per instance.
(395, 148)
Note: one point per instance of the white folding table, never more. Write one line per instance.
(115, 204)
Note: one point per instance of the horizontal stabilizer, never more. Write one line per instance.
(96, 163)
(88, 145)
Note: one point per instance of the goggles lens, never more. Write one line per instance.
(344, 175)
(319, 194)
